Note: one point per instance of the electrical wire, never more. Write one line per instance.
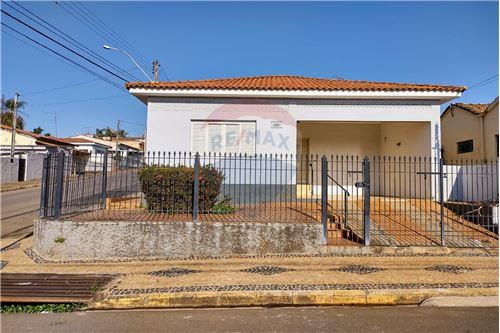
(64, 46)
(61, 34)
(131, 48)
(66, 58)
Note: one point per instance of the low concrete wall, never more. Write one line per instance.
(64, 240)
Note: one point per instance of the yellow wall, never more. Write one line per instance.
(21, 139)
(458, 125)
(490, 130)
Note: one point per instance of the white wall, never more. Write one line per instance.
(168, 120)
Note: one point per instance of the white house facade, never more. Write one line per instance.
(293, 115)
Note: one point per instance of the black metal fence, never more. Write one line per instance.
(369, 200)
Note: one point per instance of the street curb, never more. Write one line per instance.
(282, 298)
(21, 187)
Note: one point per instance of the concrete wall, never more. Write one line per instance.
(471, 183)
(10, 170)
(131, 239)
(34, 166)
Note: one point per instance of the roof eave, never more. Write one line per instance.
(443, 96)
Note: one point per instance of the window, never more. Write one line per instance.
(235, 137)
(496, 141)
(465, 146)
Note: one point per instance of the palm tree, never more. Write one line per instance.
(7, 113)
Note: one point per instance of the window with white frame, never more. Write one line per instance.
(235, 137)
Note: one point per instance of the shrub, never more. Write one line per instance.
(170, 189)
(223, 206)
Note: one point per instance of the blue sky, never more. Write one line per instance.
(430, 42)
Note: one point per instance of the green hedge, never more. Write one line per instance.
(169, 189)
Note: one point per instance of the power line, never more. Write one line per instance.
(484, 82)
(131, 48)
(61, 87)
(65, 58)
(61, 34)
(64, 46)
(80, 100)
(82, 17)
(58, 59)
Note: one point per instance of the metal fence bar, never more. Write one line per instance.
(45, 186)
(104, 179)
(196, 186)
(59, 185)
(324, 196)
(366, 200)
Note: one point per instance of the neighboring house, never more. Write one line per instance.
(124, 153)
(87, 155)
(470, 131)
(28, 154)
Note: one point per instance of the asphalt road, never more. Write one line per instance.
(18, 210)
(332, 319)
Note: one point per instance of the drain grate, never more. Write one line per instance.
(52, 288)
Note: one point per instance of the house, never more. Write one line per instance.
(87, 155)
(28, 153)
(295, 116)
(470, 131)
(124, 149)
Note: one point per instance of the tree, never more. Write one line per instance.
(108, 132)
(47, 134)
(38, 130)
(7, 112)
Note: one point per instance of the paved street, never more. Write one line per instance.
(332, 319)
(18, 210)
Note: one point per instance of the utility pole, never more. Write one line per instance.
(14, 126)
(156, 70)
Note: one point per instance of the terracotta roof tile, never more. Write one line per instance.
(473, 108)
(76, 140)
(20, 131)
(289, 83)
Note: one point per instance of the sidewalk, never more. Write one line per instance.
(20, 185)
(272, 281)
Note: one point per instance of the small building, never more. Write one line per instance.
(29, 149)
(87, 155)
(470, 131)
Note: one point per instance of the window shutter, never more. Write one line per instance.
(198, 137)
(232, 137)
(215, 138)
(247, 141)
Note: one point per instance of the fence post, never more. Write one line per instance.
(59, 185)
(366, 200)
(441, 200)
(196, 186)
(104, 179)
(45, 186)
(324, 196)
